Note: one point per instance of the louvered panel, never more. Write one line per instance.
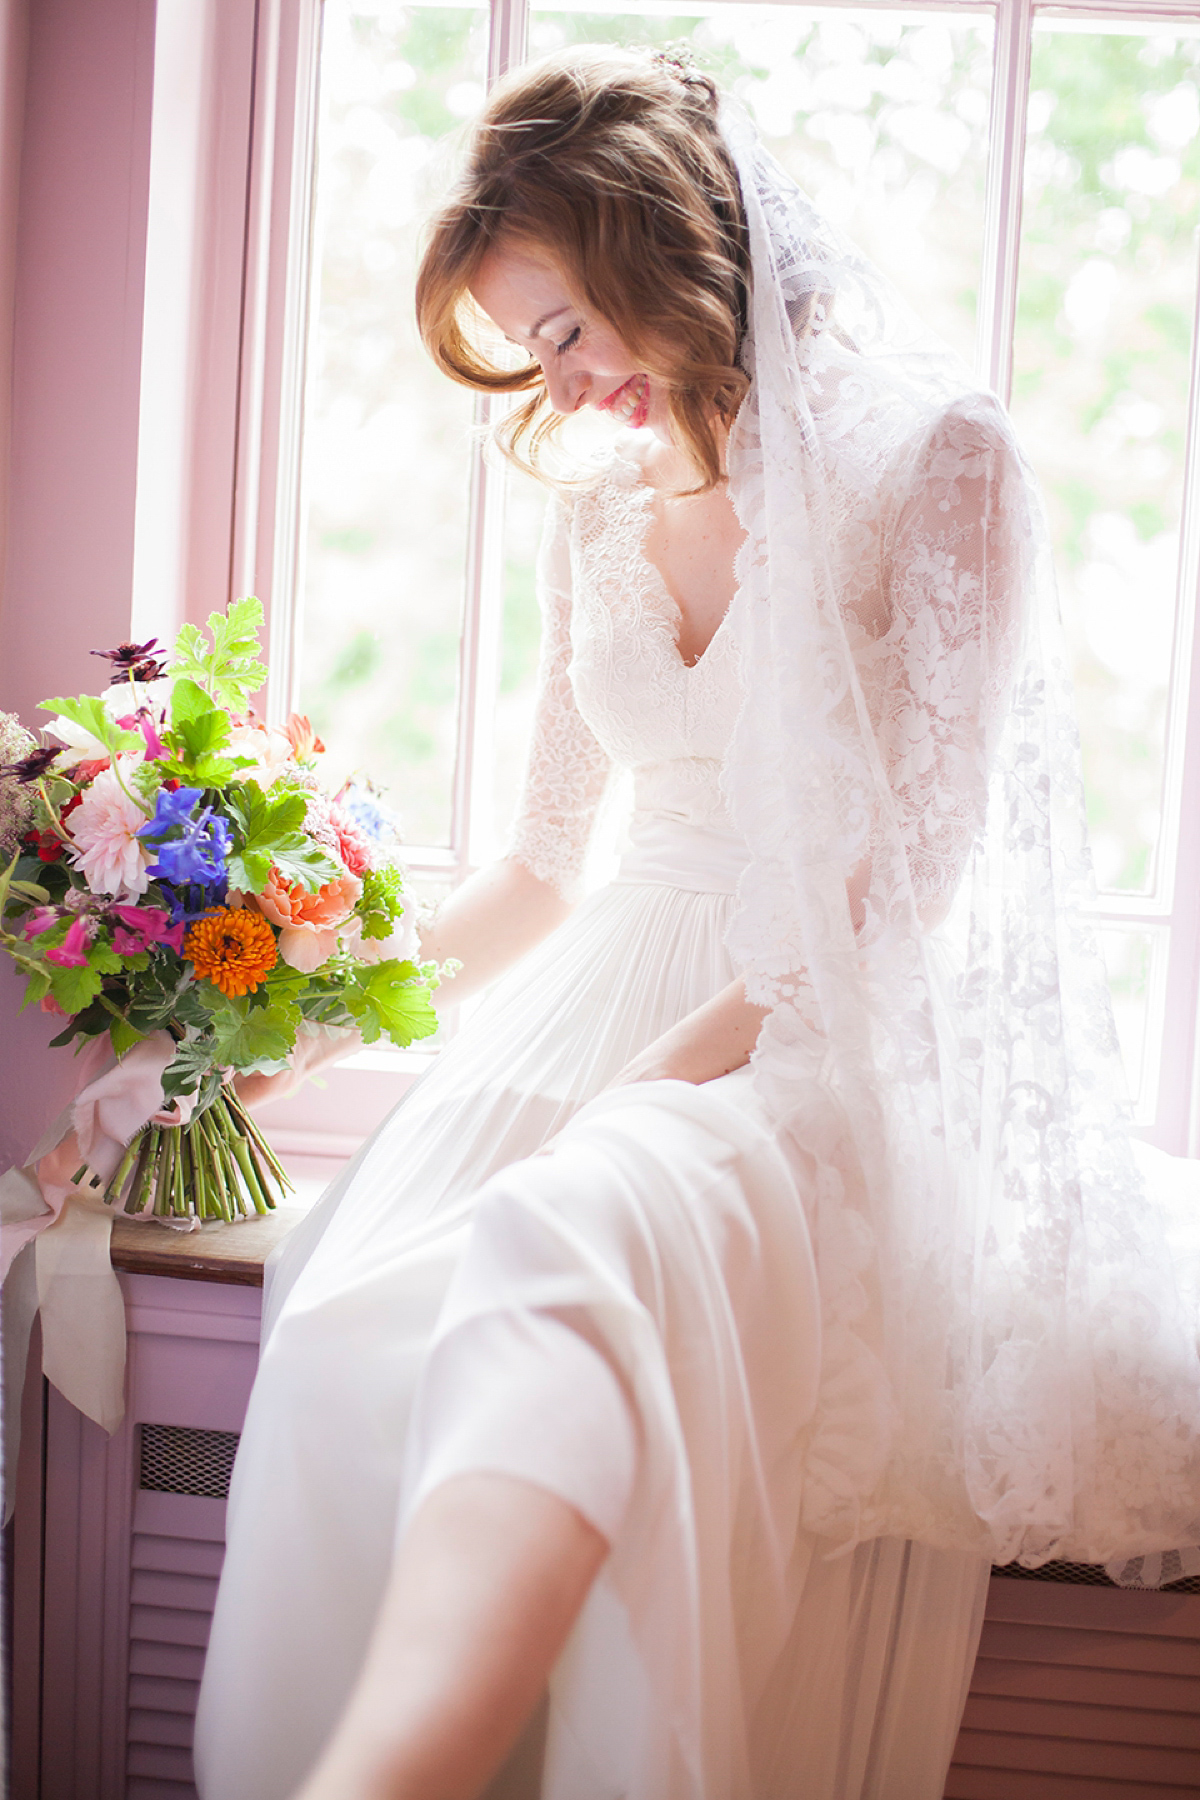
(168, 1625)
(185, 1556)
(178, 1661)
(163, 1763)
(1088, 1687)
(1097, 1724)
(154, 1726)
(1108, 1762)
(1082, 1693)
(158, 1693)
(173, 1588)
(1092, 1649)
(169, 1588)
(1012, 1784)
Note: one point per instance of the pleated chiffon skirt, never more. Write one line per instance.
(722, 1654)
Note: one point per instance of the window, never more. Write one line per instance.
(1029, 176)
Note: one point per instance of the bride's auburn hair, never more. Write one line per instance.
(610, 164)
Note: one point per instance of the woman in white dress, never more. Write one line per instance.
(766, 1256)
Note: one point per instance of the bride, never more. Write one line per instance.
(642, 1411)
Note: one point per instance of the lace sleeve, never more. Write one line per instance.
(955, 566)
(567, 772)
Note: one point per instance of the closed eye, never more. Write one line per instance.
(568, 342)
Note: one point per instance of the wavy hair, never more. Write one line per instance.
(611, 164)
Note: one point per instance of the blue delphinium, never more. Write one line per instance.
(199, 843)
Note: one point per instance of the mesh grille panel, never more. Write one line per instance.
(1087, 1575)
(177, 1459)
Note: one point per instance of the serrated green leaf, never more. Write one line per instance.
(267, 834)
(124, 1036)
(389, 998)
(89, 711)
(229, 670)
(244, 1036)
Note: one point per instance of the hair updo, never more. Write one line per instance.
(610, 163)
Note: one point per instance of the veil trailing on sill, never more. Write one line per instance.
(1010, 1354)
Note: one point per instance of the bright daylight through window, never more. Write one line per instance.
(894, 118)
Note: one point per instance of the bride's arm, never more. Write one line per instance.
(488, 923)
(714, 1040)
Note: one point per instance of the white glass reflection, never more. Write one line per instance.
(387, 438)
(1103, 352)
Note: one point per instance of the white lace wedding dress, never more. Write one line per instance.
(633, 1318)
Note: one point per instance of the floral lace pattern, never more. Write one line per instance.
(614, 692)
(1011, 1358)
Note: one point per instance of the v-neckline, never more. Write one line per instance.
(670, 610)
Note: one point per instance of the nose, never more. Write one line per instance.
(566, 390)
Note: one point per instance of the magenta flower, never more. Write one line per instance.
(143, 926)
(39, 920)
(143, 720)
(72, 952)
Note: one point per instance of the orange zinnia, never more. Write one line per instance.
(233, 949)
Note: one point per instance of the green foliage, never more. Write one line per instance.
(268, 833)
(89, 711)
(389, 998)
(248, 1036)
(228, 670)
(74, 988)
(382, 901)
(199, 733)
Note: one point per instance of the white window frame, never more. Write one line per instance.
(266, 550)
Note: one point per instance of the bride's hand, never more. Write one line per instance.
(714, 1040)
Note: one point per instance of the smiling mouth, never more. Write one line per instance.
(630, 403)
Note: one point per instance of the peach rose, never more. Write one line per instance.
(310, 923)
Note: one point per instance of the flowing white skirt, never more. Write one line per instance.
(722, 1654)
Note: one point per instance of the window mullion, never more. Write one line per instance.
(1002, 212)
(483, 605)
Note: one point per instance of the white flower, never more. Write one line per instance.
(104, 827)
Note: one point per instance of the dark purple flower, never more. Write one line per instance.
(33, 766)
(143, 661)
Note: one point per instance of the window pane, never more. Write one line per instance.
(1103, 349)
(1136, 959)
(387, 438)
(882, 120)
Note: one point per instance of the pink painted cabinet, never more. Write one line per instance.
(117, 1549)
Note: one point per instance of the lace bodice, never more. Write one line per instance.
(614, 692)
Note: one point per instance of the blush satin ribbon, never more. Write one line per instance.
(74, 1287)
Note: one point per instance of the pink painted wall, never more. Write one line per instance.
(73, 292)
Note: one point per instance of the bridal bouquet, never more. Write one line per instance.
(172, 866)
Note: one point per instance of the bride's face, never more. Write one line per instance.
(583, 360)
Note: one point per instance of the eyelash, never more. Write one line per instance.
(568, 343)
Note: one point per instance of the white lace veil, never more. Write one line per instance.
(1010, 1359)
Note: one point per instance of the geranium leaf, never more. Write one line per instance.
(229, 669)
(389, 998)
(89, 711)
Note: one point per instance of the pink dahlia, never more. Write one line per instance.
(104, 827)
(354, 846)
